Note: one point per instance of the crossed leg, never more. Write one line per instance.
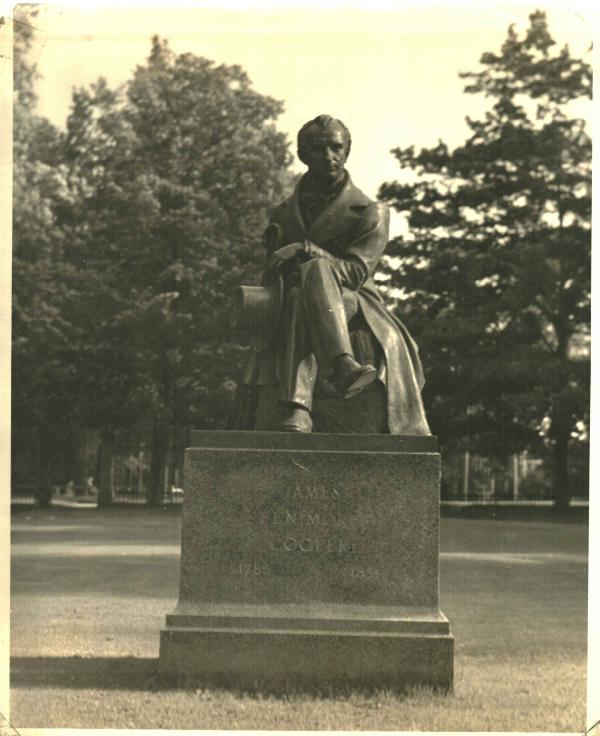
(316, 314)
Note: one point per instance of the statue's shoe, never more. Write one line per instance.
(352, 377)
(297, 420)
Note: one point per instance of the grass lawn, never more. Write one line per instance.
(90, 589)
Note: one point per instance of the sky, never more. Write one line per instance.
(391, 72)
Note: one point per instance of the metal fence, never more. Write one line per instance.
(517, 478)
(130, 475)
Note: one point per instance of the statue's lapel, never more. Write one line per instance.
(296, 214)
(337, 216)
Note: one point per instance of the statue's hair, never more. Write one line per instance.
(322, 122)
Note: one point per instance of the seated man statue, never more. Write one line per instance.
(323, 245)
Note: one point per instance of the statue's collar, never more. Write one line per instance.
(336, 217)
(311, 188)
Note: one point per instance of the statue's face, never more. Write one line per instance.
(325, 151)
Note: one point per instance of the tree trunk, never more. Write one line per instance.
(105, 457)
(43, 494)
(158, 460)
(562, 420)
(562, 493)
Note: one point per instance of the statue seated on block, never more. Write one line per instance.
(321, 333)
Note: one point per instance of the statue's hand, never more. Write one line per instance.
(282, 256)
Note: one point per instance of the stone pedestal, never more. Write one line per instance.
(311, 560)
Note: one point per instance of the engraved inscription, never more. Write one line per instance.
(249, 569)
(313, 544)
(309, 521)
(314, 490)
(304, 519)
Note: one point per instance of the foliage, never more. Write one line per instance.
(45, 380)
(131, 230)
(173, 176)
(495, 275)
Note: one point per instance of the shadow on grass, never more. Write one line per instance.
(141, 674)
(106, 673)
(497, 512)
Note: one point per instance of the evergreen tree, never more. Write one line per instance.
(494, 278)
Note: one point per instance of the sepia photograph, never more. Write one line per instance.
(297, 366)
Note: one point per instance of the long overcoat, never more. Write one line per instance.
(354, 224)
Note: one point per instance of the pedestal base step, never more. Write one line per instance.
(309, 651)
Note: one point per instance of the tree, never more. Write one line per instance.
(495, 276)
(44, 337)
(172, 176)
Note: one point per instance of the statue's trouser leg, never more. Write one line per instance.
(324, 311)
(316, 329)
(297, 363)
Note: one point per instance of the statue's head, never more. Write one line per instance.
(324, 146)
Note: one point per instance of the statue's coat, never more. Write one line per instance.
(354, 224)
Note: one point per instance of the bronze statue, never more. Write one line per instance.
(322, 319)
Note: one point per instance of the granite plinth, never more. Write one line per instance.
(239, 439)
(310, 559)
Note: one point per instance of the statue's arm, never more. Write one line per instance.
(351, 269)
(362, 255)
(371, 237)
(366, 248)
